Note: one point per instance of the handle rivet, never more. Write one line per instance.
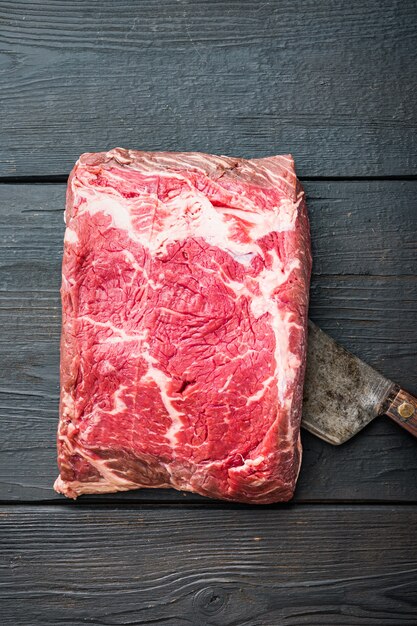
(406, 410)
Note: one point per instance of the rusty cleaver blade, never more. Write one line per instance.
(342, 394)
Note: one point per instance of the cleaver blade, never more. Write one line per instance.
(342, 394)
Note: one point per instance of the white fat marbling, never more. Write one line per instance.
(70, 236)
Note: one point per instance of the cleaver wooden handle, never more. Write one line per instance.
(402, 408)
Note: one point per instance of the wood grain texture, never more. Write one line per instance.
(363, 237)
(300, 566)
(332, 82)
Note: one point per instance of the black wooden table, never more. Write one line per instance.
(335, 84)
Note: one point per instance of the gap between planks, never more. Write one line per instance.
(215, 504)
(63, 178)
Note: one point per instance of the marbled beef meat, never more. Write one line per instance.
(184, 298)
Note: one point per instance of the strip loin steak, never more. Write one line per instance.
(184, 298)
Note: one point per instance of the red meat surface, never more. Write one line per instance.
(184, 299)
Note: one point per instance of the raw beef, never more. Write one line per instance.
(184, 295)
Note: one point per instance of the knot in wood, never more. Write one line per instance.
(210, 600)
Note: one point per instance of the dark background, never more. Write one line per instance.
(332, 82)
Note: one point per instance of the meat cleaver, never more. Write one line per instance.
(342, 394)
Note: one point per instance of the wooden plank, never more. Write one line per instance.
(289, 566)
(363, 227)
(357, 227)
(330, 82)
(375, 316)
